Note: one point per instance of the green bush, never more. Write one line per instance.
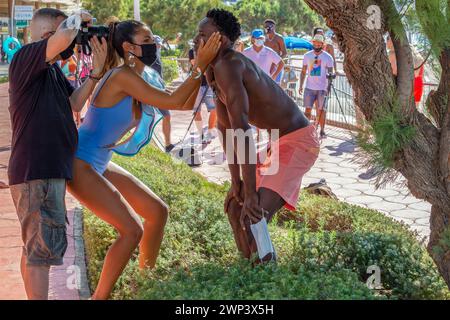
(4, 79)
(324, 248)
(170, 69)
(171, 53)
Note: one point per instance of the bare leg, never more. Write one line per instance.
(166, 129)
(308, 113)
(147, 205)
(268, 200)
(212, 119)
(35, 279)
(322, 119)
(240, 236)
(23, 271)
(109, 205)
(199, 122)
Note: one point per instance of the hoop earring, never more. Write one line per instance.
(131, 62)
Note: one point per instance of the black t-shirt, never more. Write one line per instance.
(192, 57)
(44, 135)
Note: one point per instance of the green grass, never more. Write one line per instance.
(324, 248)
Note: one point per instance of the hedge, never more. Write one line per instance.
(324, 248)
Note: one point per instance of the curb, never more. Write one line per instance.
(84, 291)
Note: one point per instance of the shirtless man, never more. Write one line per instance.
(275, 42)
(247, 95)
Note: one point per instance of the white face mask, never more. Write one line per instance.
(262, 237)
(259, 42)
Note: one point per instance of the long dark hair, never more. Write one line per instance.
(120, 32)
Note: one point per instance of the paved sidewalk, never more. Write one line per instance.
(11, 242)
(11, 287)
(346, 179)
(3, 69)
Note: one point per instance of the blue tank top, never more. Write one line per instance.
(102, 128)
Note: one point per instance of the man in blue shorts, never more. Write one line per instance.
(317, 64)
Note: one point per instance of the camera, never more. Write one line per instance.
(86, 33)
(331, 76)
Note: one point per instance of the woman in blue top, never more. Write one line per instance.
(110, 192)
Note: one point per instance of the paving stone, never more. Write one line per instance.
(315, 170)
(336, 169)
(410, 214)
(342, 181)
(402, 199)
(405, 221)
(324, 164)
(332, 159)
(308, 180)
(364, 199)
(422, 221)
(387, 206)
(345, 163)
(424, 231)
(361, 187)
(346, 193)
(352, 173)
(325, 175)
(425, 206)
(385, 192)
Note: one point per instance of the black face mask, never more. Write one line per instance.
(316, 49)
(149, 54)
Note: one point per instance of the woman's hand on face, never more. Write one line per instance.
(207, 52)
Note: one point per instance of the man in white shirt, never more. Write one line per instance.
(263, 56)
(317, 63)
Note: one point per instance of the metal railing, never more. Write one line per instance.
(341, 111)
(340, 106)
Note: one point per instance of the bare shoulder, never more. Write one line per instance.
(231, 63)
(124, 73)
(279, 37)
(125, 77)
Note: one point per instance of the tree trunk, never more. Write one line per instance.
(440, 252)
(425, 161)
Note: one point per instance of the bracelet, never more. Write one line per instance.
(198, 72)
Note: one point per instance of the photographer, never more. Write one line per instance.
(44, 139)
(318, 64)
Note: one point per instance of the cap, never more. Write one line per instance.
(270, 21)
(318, 38)
(157, 39)
(257, 33)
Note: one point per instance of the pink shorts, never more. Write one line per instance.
(285, 163)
